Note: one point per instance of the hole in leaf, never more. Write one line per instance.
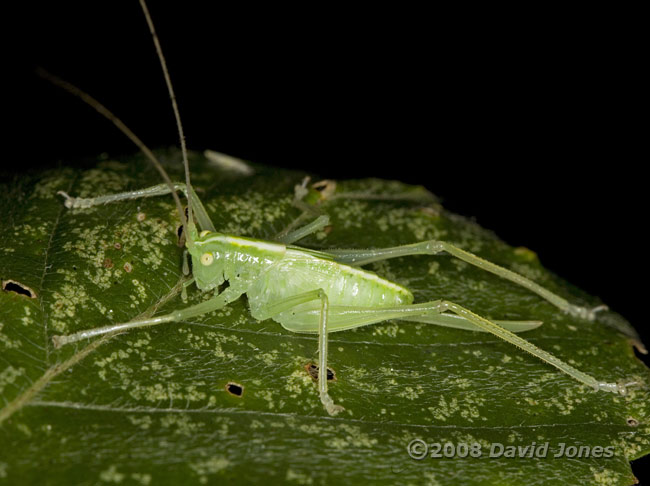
(180, 231)
(235, 389)
(18, 288)
(312, 369)
(632, 422)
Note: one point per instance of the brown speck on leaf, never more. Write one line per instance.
(108, 263)
(326, 187)
(118, 246)
(312, 369)
(128, 267)
(430, 211)
(141, 217)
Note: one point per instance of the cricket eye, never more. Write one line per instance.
(207, 259)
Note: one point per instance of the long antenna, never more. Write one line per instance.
(177, 114)
(89, 100)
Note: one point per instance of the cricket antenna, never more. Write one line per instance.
(177, 114)
(89, 100)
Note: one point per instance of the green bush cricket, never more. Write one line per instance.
(304, 290)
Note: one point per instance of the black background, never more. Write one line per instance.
(534, 129)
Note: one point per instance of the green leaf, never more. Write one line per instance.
(152, 406)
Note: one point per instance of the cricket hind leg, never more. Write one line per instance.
(434, 247)
(300, 233)
(275, 308)
(459, 322)
(198, 209)
(289, 234)
(351, 317)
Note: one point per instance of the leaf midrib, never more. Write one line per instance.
(236, 411)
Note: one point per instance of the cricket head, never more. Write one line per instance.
(208, 258)
(217, 258)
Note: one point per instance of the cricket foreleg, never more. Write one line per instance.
(284, 305)
(88, 202)
(433, 247)
(213, 304)
(184, 289)
(159, 190)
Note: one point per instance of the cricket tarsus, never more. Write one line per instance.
(303, 289)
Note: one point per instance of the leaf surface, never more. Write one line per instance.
(153, 406)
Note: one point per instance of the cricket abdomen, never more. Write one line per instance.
(299, 272)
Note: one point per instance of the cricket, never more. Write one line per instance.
(306, 290)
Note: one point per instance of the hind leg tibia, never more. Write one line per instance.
(434, 247)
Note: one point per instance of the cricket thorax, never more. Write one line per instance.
(217, 257)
